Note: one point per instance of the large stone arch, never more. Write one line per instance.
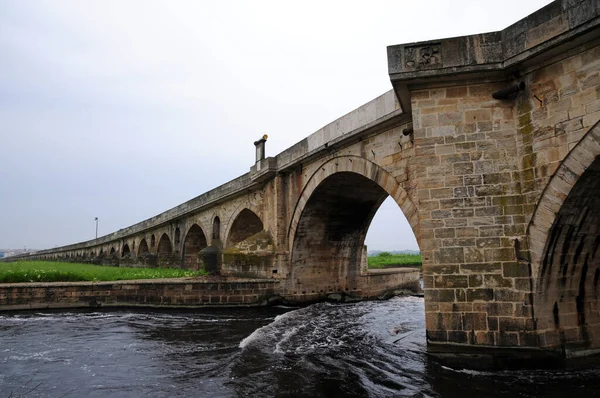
(195, 240)
(564, 235)
(244, 222)
(331, 220)
(365, 168)
(556, 191)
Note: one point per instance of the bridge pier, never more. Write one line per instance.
(507, 187)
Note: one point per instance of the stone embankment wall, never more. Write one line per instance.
(142, 293)
(190, 293)
(366, 286)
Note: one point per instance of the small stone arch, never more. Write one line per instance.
(164, 245)
(112, 250)
(165, 256)
(143, 248)
(152, 241)
(195, 240)
(126, 251)
(243, 225)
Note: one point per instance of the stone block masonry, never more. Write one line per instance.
(189, 293)
(500, 181)
(142, 293)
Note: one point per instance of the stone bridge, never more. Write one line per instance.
(488, 143)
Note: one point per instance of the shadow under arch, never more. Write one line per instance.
(563, 237)
(331, 220)
(365, 168)
(125, 251)
(195, 240)
(142, 248)
(165, 254)
(556, 191)
(164, 245)
(243, 224)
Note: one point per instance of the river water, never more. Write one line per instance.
(368, 349)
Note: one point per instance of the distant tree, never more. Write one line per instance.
(384, 254)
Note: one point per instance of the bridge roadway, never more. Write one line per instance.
(488, 143)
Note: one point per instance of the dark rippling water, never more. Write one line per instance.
(369, 349)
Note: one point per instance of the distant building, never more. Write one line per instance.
(1, 254)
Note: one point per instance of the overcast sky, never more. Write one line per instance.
(123, 109)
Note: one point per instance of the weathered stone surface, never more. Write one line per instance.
(155, 293)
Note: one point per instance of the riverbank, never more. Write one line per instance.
(197, 292)
(52, 271)
(390, 260)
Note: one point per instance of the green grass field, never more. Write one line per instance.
(45, 271)
(385, 259)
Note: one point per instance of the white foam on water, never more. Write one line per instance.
(286, 337)
(469, 371)
(267, 332)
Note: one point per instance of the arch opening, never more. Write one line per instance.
(390, 231)
(164, 245)
(125, 252)
(164, 253)
(246, 224)
(567, 302)
(195, 240)
(328, 245)
(143, 248)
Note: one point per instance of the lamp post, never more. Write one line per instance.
(96, 219)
